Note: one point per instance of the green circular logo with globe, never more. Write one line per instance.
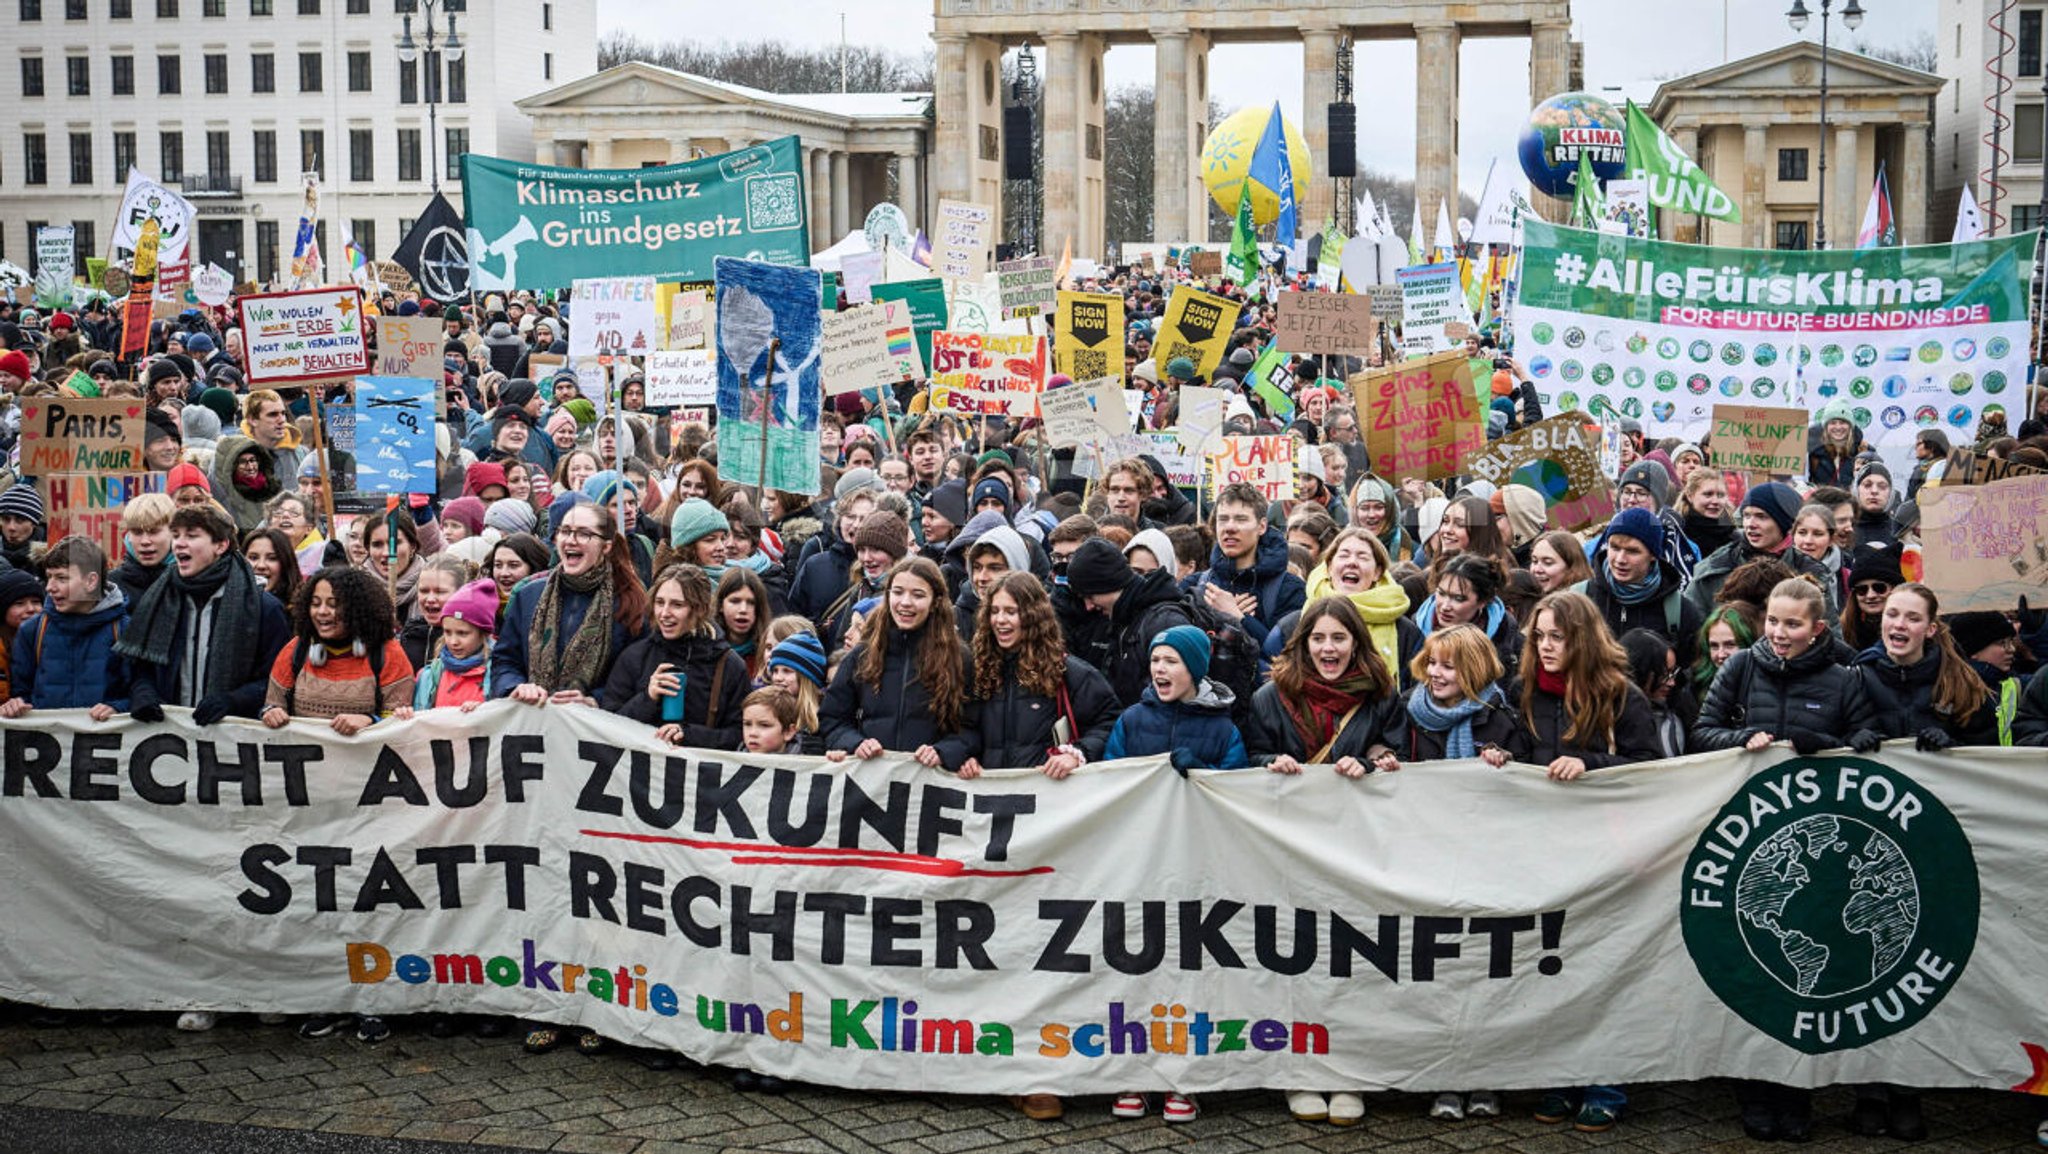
(1831, 903)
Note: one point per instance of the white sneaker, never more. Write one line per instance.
(1449, 1107)
(1347, 1109)
(1307, 1106)
(196, 1021)
(1483, 1104)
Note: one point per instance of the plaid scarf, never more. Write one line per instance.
(582, 663)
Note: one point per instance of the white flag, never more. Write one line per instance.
(1446, 242)
(1496, 222)
(1368, 218)
(1969, 223)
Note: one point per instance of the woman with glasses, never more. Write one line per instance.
(562, 634)
(1873, 574)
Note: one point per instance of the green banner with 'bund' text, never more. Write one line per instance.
(535, 226)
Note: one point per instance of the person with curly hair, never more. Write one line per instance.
(904, 686)
(1036, 706)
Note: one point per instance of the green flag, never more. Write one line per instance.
(1675, 182)
(1271, 362)
(1244, 241)
(1586, 206)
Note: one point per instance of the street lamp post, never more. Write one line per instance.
(437, 47)
(1852, 19)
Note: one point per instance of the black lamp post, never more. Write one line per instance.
(437, 47)
(1852, 19)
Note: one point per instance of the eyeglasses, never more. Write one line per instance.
(579, 533)
(1871, 588)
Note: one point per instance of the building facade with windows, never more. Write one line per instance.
(1969, 48)
(234, 101)
(1754, 126)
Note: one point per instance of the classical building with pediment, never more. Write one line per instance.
(859, 148)
(1754, 126)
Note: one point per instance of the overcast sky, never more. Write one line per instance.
(1630, 43)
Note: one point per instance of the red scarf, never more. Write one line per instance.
(1551, 683)
(1324, 703)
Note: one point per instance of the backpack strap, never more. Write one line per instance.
(711, 708)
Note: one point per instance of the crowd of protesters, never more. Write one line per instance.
(959, 593)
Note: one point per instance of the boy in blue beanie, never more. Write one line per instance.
(1182, 712)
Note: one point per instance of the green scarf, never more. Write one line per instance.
(581, 664)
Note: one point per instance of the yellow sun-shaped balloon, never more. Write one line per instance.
(1227, 156)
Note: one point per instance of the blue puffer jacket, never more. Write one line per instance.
(1198, 731)
(67, 660)
(508, 652)
(1279, 592)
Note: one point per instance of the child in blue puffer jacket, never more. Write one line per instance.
(1182, 713)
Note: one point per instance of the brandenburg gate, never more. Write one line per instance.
(972, 35)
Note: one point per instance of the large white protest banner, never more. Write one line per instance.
(146, 200)
(1928, 336)
(1806, 920)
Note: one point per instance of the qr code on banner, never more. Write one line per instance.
(773, 202)
(1171, 350)
(1087, 364)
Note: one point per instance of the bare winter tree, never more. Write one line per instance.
(773, 66)
(1921, 52)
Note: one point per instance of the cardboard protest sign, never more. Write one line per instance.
(613, 315)
(213, 285)
(1026, 287)
(1183, 464)
(1558, 458)
(1986, 546)
(1265, 463)
(1419, 417)
(1965, 467)
(395, 435)
(1326, 323)
(1201, 416)
(1088, 335)
(541, 366)
(1203, 262)
(855, 352)
(679, 315)
(77, 435)
(1759, 440)
(902, 340)
(1084, 414)
(409, 347)
(90, 505)
(976, 373)
(860, 270)
(1197, 325)
(303, 336)
(962, 236)
(57, 252)
(1430, 299)
(1386, 301)
(678, 377)
(929, 313)
(769, 392)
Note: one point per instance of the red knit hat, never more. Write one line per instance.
(186, 473)
(16, 362)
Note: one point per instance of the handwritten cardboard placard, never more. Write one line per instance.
(963, 235)
(90, 506)
(395, 435)
(854, 352)
(859, 271)
(679, 314)
(409, 347)
(1026, 287)
(1419, 417)
(1085, 414)
(1183, 465)
(1986, 546)
(1756, 439)
(303, 336)
(1201, 417)
(901, 332)
(1326, 323)
(1559, 458)
(1202, 263)
(613, 314)
(677, 377)
(1265, 463)
(75, 435)
(977, 373)
(1966, 467)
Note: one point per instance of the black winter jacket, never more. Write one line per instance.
(1903, 700)
(1150, 605)
(1279, 592)
(1759, 692)
(899, 714)
(1498, 725)
(1270, 732)
(1016, 726)
(706, 724)
(1652, 614)
(821, 579)
(1634, 737)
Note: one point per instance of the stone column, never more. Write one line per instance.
(1550, 64)
(598, 152)
(1753, 187)
(953, 112)
(842, 200)
(1909, 194)
(1845, 177)
(820, 181)
(1171, 162)
(1063, 87)
(909, 194)
(1436, 120)
(1318, 90)
(1688, 142)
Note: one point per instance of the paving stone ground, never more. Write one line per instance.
(487, 1092)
